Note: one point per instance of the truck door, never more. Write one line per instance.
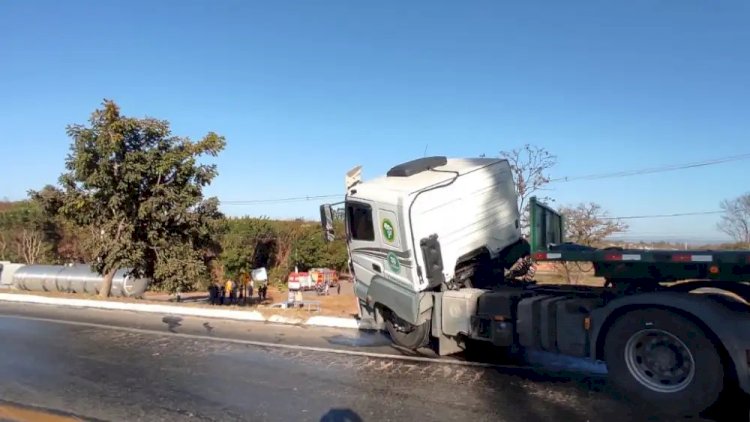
(397, 265)
(363, 245)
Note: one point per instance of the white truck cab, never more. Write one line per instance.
(425, 227)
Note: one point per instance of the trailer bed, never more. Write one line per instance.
(547, 244)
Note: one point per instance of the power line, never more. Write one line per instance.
(651, 170)
(624, 173)
(281, 200)
(682, 214)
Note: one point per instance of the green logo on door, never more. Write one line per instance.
(393, 262)
(389, 233)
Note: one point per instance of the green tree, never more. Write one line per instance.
(139, 189)
(249, 243)
(309, 249)
(26, 234)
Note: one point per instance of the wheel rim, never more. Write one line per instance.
(659, 360)
(400, 325)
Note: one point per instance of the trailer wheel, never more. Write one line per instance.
(664, 361)
(407, 335)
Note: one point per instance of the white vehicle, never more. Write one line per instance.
(437, 254)
(460, 215)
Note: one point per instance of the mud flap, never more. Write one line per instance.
(446, 345)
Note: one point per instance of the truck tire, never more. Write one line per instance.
(407, 335)
(664, 361)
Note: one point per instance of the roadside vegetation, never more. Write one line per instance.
(132, 196)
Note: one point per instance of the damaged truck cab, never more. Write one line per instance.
(425, 227)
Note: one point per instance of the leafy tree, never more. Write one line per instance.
(309, 249)
(288, 235)
(71, 241)
(736, 219)
(529, 165)
(337, 253)
(26, 234)
(588, 224)
(249, 243)
(139, 189)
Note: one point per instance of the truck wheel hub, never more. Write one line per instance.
(659, 360)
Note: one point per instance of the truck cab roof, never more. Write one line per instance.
(414, 176)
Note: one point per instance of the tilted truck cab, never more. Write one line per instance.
(436, 252)
(410, 231)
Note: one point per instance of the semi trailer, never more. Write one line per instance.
(439, 260)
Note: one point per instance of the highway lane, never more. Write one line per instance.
(107, 365)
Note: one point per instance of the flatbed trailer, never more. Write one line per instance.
(673, 326)
(638, 266)
(438, 260)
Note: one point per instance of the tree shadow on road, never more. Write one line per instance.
(539, 394)
(341, 415)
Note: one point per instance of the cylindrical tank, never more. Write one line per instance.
(75, 279)
(7, 269)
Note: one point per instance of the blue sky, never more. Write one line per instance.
(303, 91)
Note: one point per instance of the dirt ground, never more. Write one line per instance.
(334, 304)
(580, 275)
(583, 280)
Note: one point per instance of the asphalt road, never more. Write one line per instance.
(107, 365)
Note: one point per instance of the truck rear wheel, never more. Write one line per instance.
(407, 335)
(665, 361)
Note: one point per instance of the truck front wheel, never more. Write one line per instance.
(663, 360)
(407, 335)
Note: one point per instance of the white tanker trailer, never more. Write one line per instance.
(75, 278)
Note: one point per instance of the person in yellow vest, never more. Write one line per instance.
(229, 290)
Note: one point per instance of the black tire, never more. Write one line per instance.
(637, 348)
(406, 335)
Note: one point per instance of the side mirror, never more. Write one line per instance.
(326, 221)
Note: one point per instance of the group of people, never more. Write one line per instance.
(232, 293)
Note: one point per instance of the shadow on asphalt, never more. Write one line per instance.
(341, 415)
(172, 322)
(538, 393)
(529, 382)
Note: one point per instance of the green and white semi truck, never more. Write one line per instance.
(438, 259)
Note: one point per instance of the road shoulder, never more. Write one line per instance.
(231, 314)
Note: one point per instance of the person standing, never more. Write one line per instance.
(250, 286)
(212, 293)
(263, 290)
(244, 281)
(229, 290)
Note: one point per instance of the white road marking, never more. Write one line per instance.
(265, 344)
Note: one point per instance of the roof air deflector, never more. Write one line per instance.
(419, 165)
